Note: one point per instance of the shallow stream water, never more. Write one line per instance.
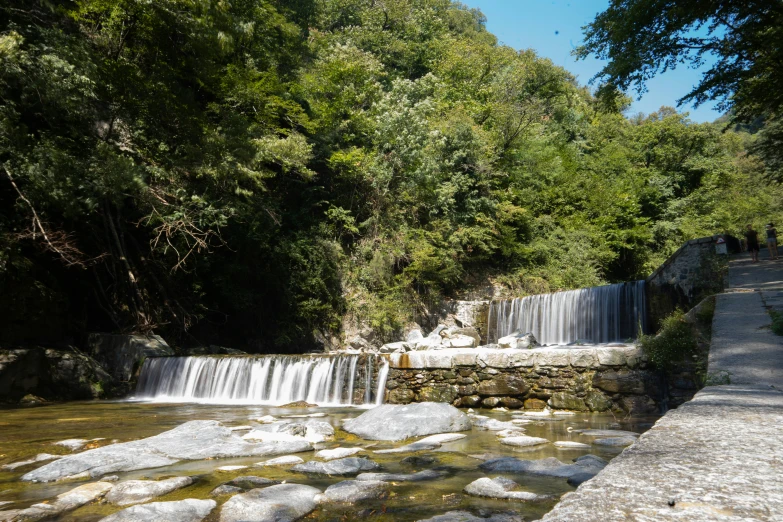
(26, 432)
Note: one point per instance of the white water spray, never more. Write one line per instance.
(268, 379)
(599, 314)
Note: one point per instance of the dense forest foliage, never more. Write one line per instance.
(258, 172)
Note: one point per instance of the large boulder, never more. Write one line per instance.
(518, 341)
(399, 347)
(459, 341)
(52, 375)
(188, 510)
(279, 503)
(123, 355)
(399, 422)
(414, 336)
(193, 440)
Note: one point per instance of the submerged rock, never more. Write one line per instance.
(275, 503)
(191, 441)
(337, 453)
(137, 491)
(465, 516)
(251, 482)
(398, 422)
(188, 510)
(609, 433)
(225, 489)
(72, 444)
(346, 466)
(65, 502)
(579, 478)
(355, 490)
(550, 467)
(419, 460)
(410, 448)
(420, 476)
(442, 438)
(616, 442)
(287, 460)
(484, 423)
(591, 460)
(500, 487)
(41, 457)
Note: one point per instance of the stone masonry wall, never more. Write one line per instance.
(693, 271)
(589, 379)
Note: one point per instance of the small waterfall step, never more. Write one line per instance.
(600, 314)
(326, 380)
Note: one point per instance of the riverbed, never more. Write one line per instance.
(24, 433)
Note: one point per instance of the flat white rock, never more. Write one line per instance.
(72, 444)
(287, 460)
(500, 487)
(337, 453)
(137, 491)
(442, 438)
(568, 444)
(523, 441)
(230, 468)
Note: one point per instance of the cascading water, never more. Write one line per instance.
(268, 379)
(599, 314)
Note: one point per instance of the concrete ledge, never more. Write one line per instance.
(717, 457)
(589, 358)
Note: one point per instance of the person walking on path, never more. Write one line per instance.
(772, 241)
(752, 238)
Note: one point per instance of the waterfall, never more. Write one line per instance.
(268, 379)
(599, 314)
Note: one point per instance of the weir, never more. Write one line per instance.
(326, 380)
(600, 314)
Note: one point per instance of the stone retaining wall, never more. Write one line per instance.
(693, 271)
(581, 379)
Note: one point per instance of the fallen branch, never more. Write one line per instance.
(56, 241)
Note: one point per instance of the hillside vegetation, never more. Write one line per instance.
(259, 172)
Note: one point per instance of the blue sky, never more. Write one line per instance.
(554, 28)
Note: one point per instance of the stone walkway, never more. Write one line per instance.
(718, 457)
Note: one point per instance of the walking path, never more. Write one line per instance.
(718, 457)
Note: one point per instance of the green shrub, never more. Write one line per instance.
(672, 344)
(777, 321)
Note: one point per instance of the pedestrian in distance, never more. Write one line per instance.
(772, 241)
(752, 238)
